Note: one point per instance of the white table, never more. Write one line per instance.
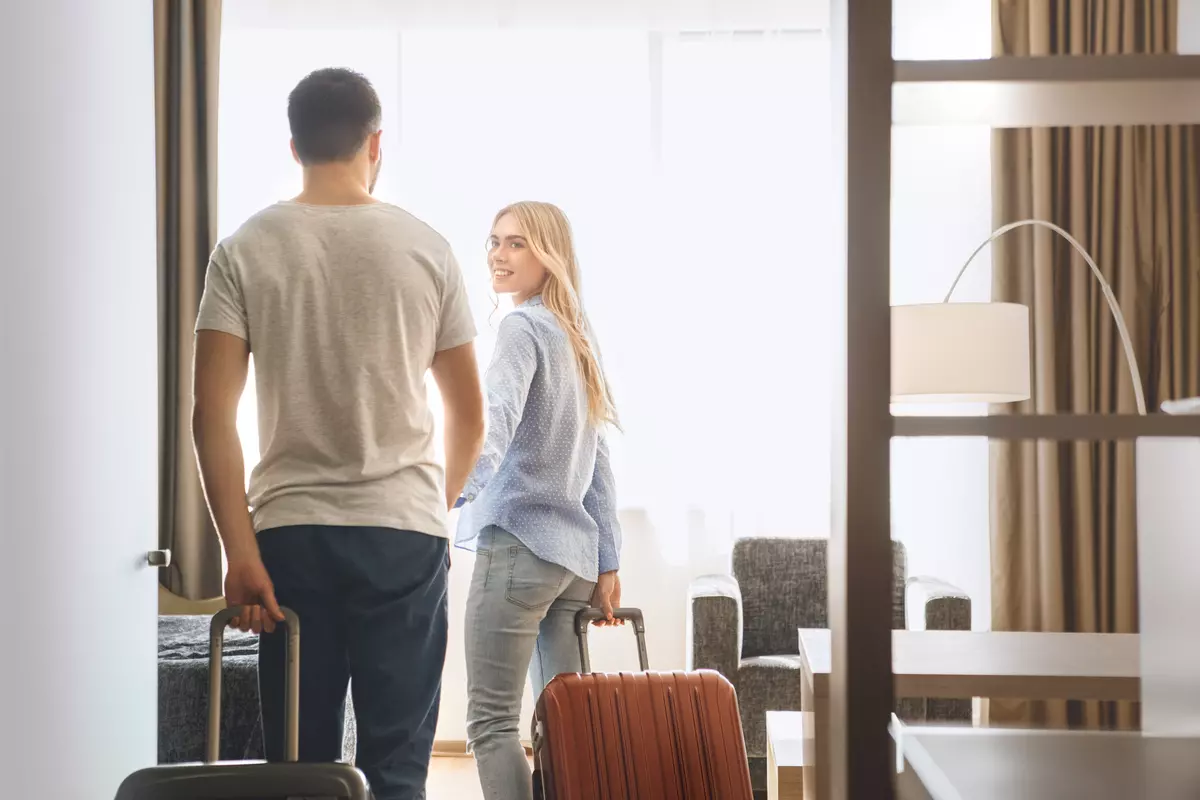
(1001, 764)
(789, 750)
(965, 664)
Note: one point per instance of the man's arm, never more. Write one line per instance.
(456, 373)
(221, 364)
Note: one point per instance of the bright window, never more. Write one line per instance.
(695, 170)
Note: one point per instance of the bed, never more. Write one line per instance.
(183, 692)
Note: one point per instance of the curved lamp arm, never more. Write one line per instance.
(1126, 342)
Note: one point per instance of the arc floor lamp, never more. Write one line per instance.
(979, 352)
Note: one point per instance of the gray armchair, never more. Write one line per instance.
(745, 626)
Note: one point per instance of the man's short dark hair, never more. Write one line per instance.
(331, 113)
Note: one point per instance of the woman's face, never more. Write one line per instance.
(515, 270)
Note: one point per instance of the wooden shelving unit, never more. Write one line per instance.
(1048, 91)
(871, 94)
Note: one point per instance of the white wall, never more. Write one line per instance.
(78, 418)
(941, 210)
(532, 14)
(1189, 27)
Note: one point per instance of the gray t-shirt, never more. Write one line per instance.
(344, 308)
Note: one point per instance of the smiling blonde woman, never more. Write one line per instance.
(540, 505)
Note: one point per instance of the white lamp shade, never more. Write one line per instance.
(960, 353)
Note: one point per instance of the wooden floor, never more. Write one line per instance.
(453, 778)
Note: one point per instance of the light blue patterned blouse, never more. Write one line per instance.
(544, 475)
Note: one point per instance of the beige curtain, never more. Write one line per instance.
(186, 43)
(1063, 532)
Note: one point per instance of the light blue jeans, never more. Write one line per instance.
(520, 619)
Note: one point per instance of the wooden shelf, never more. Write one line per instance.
(1048, 91)
(1052, 427)
(1051, 69)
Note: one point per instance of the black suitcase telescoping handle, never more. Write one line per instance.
(291, 719)
(588, 616)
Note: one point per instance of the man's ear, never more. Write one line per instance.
(374, 145)
(295, 155)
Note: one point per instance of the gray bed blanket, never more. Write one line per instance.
(183, 694)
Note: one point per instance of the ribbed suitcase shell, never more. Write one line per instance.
(640, 736)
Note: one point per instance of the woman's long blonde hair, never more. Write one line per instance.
(548, 235)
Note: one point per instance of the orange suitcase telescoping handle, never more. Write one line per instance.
(291, 723)
(588, 616)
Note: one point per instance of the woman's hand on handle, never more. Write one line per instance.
(607, 597)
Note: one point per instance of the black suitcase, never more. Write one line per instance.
(248, 780)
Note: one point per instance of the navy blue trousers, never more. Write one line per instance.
(373, 612)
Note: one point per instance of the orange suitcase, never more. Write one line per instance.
(638, 736)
